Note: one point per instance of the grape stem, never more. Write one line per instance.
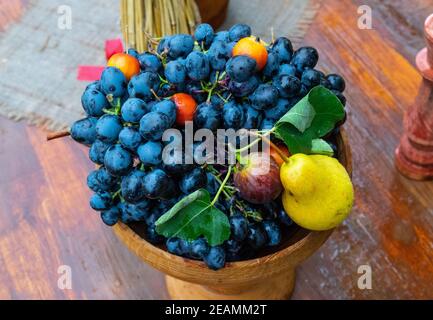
(221, 188)
(155, 95)
(209, 95)
(117, 193)
(261, 136)
(228, 195)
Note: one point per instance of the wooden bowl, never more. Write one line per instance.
(271, 276)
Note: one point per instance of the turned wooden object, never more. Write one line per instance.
(414, 156)
(213, 12)
(271, 276)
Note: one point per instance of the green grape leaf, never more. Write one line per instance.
(300, 126)
(296, 141)
(320, 146)
(195, 216)
(300, 116)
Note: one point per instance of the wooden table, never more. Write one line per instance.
(45, 221)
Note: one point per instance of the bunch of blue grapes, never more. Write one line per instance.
(126, 119)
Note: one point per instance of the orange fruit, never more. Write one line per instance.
(274, 154)
(125, 63)
(185, 107)
(253, 48)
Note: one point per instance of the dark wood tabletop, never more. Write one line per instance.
(45, 220)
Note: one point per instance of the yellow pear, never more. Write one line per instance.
(318, 194)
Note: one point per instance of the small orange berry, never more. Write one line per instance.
(185, 108)
(254, 48)
(125, 63)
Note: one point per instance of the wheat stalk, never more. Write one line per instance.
(142, 20)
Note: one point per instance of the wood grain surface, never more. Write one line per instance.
(45, 220)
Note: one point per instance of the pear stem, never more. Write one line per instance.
(277, 149)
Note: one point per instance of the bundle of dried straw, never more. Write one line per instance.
(142, 20)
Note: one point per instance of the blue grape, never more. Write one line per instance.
(212, 184)
(108, 128)
(243, 89)
(166, 90)
(197, 66)
(222, 36)
(238, 227)
(118, 161)
(311, 78)
(141, 86)
(218, 55)
(273, 232)
(287, 69)
(95, 85)
(163, 45)
(130, 138)
(272, 65)
(340, 96)
(177, 163)
(154, 214)
(193, 180)
(138, 211)
(153, 125)
(232, 248)
(253, 117)
(241, 68)
(256, 237)
(215, 258)
(133, 52)
(203, 152)
(230, 47)
(283, 48)
(113, 82)
(100, 180)
(158, 185)
(175, 72)
(280, 109)
(208, 116)
(264, 97)
(177, 246)
(166, 107)
(199, 248)
(124, 216)
(110, 216)
(267, 124)
(150, 62)
(132, 186)
(152, 235)
(101, 201)
(194, 89)
(233, 115)
(84, 130)
(150, 153)
(133, 110)
(180, 45)
(217, 100)
(165, 205)
(97, 151)
(204, 34)
(94, 102)
(305, 58)
(336, 82)
(214, 77)
(239, 31)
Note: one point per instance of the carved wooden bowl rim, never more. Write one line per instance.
(240, 272)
